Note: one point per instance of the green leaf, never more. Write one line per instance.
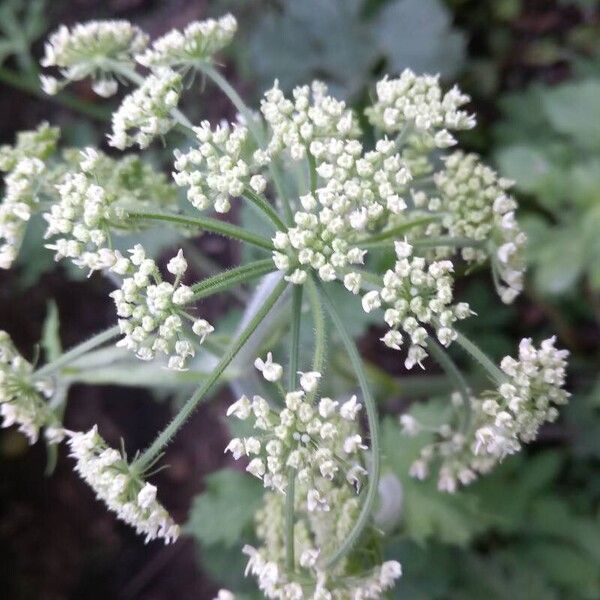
(419, 34)
(574, 110)
(50, 333)
(224, 512)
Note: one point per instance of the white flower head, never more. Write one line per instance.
(270, 370)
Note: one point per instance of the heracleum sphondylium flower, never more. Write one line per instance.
(151, 311)
(475, 204)
(91, 49)
(23, 401)
(25, 179)
(121, 487)
(198, 42)
(321, 442)
(414, 294)
(217, 169)
(502, 420)
(93, 202)
(146, 113)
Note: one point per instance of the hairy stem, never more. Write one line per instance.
(291, 474)
(481, 357)
(77, 351)
(228, 279)
(263, 204)
(183, 415)
(207, 224)
(319, 324)
(454, 374)
(457, 242)
(373, 422)
(393, 233)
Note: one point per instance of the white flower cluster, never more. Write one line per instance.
(95, 49)
(217, 170)
(417, 102)
(360, 192)
(476, 205)
(146, 112)
(121, 487)
(414, 294)
(306, 438)
(22, 185)
(502, 420)
(313, 116)
(26, 176)
(316, 535)
(150, 310)
(93, 202)
(198, 42)
(22, 400)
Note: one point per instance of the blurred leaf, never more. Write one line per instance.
(418, 34)
(573, 109)
(224, 512)
(50, 333)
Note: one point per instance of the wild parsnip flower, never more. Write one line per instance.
(93, 201)
(218, 169)
(475, 204)
(121, 487)
(417, 102)
(27, 174)
(197, 43)
(415, 294)
(316, 535)
(502, 420)
(146, 112)
(310, 439)
(23, 401)
(151, 311)
(95, 49)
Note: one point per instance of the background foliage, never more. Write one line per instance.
(530, 530)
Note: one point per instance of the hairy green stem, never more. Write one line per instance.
(263, 204)
(454, 374)
(77, 351)
(183, 415)
(457, 242)
(228, 279)
(207, 224)
(395, 232)
(373, 422)
(481, 357)
(291, 474)
(319, 325)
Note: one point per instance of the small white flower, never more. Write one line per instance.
(270, 370)
(350, 408)
(309, 380)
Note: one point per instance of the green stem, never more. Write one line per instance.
(263, 204)
(77, 351)
(373, 422)
(395, 232)
(232, 277)
(454, 374)
(292, 376)
(481, 357)
(253, 126)
(32, 86)
(182, 416)
(207, 224)
(319, 324)
(458, 242)
(312, 171)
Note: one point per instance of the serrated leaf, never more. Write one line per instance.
(224, 512)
